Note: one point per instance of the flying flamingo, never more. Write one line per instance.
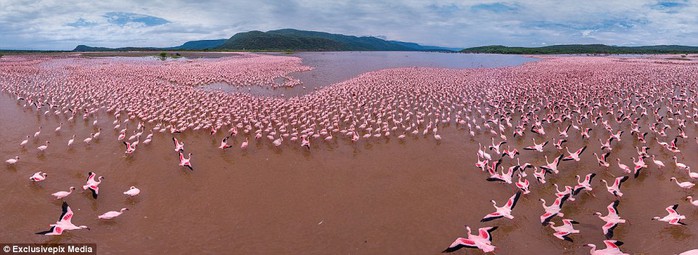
(674, 218)
(504, 211)
(92, 184)
(612, 219)
(574, 156)
(64, 223)
(482, 241)
(612, 248)
(185, 161)
(552, 210)
(567, 228)
(179, 147)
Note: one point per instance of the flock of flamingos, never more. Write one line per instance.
(580, 108)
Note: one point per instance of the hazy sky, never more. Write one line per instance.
(63, 24)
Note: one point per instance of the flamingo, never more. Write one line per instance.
(567, 228)
(482, 241)
(504, 211)
(567, 192)
(63, 194)
(244, 144)
(64, 223)
(42, 148)
(673, 218)
(659, 163)
(574, 156)
(24, 142)
(684, 185)
(185, 161)
(615, 188)
(112, 214)
(552, 166)
(92, 184)
(278, 141)
(179, 147)
(639, 164)
(70, 142)
(612, 219)
(130, 148)
(624, 167)
(612, 248)
(38, 176)
(523, 185)
(224, 144)
(505, 177)
(583, 185)
(680, 166)
(132, 191)
(540, 175)
(536, 147)
(88, 140)
(693, 202)
(553, 210)
(12, 161)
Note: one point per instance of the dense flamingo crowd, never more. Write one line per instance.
(570, 99)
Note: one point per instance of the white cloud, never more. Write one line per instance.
(53, 24)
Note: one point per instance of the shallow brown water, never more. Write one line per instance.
(382, 197)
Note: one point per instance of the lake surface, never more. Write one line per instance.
(376, 196)
(333, 67)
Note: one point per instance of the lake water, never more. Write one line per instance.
(376, 196)
(333, 67)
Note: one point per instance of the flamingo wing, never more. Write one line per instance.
(620, 180)
(54, 229)
(95, 191)
(563, 236)
(608, 229)
(485, 233)
(545, 218)
(612, 244)
(460, 243)
(67, 213)
(511, 203)
(491, 216)
(613, 207)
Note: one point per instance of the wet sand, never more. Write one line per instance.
(377, 197)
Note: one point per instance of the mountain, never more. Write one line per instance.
(292, 39)
(200, 45)
(584, 49)
(190, 45)
(84, 48)
(287, 39)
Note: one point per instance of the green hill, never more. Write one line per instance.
(584, 49)
(292, 39)
(286, 39)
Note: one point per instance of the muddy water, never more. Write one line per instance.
(377, 197)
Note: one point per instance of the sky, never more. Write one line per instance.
(64, 24)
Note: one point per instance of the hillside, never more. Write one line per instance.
(190, 45)
(286, 39)
(292, 39)
(584, 49)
